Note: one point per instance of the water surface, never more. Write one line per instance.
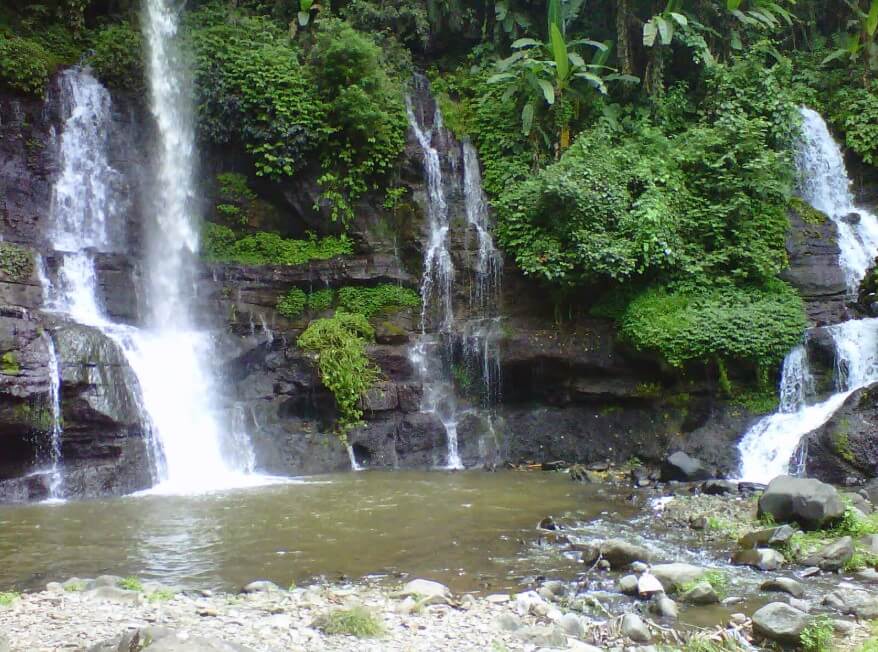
(473, 531)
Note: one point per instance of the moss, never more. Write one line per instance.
(648, 390)
(292, 304)
(131, 584)
(356, 621)
(9, 364)
(16, 262)
(808, 213)
(841, 441)
(381, 298)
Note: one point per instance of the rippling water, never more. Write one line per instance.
(472, 531)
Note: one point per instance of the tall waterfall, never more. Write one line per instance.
(474, 332)
(192, 451)
(767, 448)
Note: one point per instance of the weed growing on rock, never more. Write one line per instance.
(292, 304)
(356, 621)
(162, 595)
(16, 261)
(8, 597)
(9, 364)
(221, 244)
(131, 584)
(717, 580)
(817, 636)
(381, 298)
(74, 587)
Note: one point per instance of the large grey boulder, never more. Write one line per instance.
(702, 593)
(621, 553)
(784, 585)
(634, 628)
(767, 559)
(772, 536)
(854, 602)
(779, 622)
(810, 503)
(833, 556)
(677, 574)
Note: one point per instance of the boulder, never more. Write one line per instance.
(260, 586)
(113, 594)
(858, 501)
(621, 553)
(628, 585)
(767, 559)
(783, 585)
(719, 487)
(811, 503)
(869, 544)
(779, 622)
(685, 468)
(428, 592)
(634, 628)
(854, 602)
(700, 594)
(675, 575)
(773, 536)
(648, 585)
(158, 639)
(663, 607)
(833, 556)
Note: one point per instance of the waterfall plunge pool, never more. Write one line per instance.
(473, 531)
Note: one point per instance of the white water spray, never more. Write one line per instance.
(767, 448)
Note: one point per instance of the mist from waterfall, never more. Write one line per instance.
(768, 447)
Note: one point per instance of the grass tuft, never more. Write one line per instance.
(356, 621)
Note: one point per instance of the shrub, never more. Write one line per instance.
(117, 56)
(16, 261)
(221, 244)
(369, 301)
(758, 324)
(818, 635)
(24, 65)
(855, 112)
(292, 304)
(131, 584)
(340, 344)
(8, 597)
(320, 300)
(356, 621)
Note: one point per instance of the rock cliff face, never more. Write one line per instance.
(569, 391)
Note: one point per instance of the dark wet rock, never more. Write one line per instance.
(719, 487)
(620, 553)
(812, 251)
(774, 536)
(751, 488)
(677, 574)
(809, 502)
(548, 523)
(852, 218)
(779, 622)
(683, 467)
(767, 559)
(845, 449)
(783, 585)
(700, 594)
(634, 628)
(833, 556)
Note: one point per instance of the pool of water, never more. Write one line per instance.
(473, 531)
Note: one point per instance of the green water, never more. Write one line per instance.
(473, 531)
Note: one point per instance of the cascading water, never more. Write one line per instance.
(767, 448)
(56, 483)
(191, 451)
(433, 353)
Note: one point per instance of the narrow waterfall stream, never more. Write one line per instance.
(475, 330)
(768, 447)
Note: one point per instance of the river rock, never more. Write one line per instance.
(811, 503)
(766, 559)
(833, 556)
(572, 625)
(779, 622)
(113, 594)
(869, 544)
(648, 585)
(260, 586)
(540, 636)
(859, 501)
(663, 607)
(784, 585)
(702, 593)
(634, 628)
(855, 602)
(628, 585)
(773, 536)
(685, 468)
(428, 592)
(621, 553)
(676, 574)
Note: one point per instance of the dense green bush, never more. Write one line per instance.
(221, 244)
(370, 301)
(726, 322)
(320, 300)
(292, 304)
(24, 65)
(855, 112)
(117, 56)
(406, 20)
(340, 344)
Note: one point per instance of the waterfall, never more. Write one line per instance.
(768, 447)
(474, 334)
(189, 449)
(56, 483)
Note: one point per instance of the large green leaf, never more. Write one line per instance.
(650, 32)
(872, 19)
(666, 30)
(593, 79)
(527, 118)
(548, 90)
(525, 43)
(559, 51)
(680, 19)
(732, 5)
(500, 77)
(555, 16)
